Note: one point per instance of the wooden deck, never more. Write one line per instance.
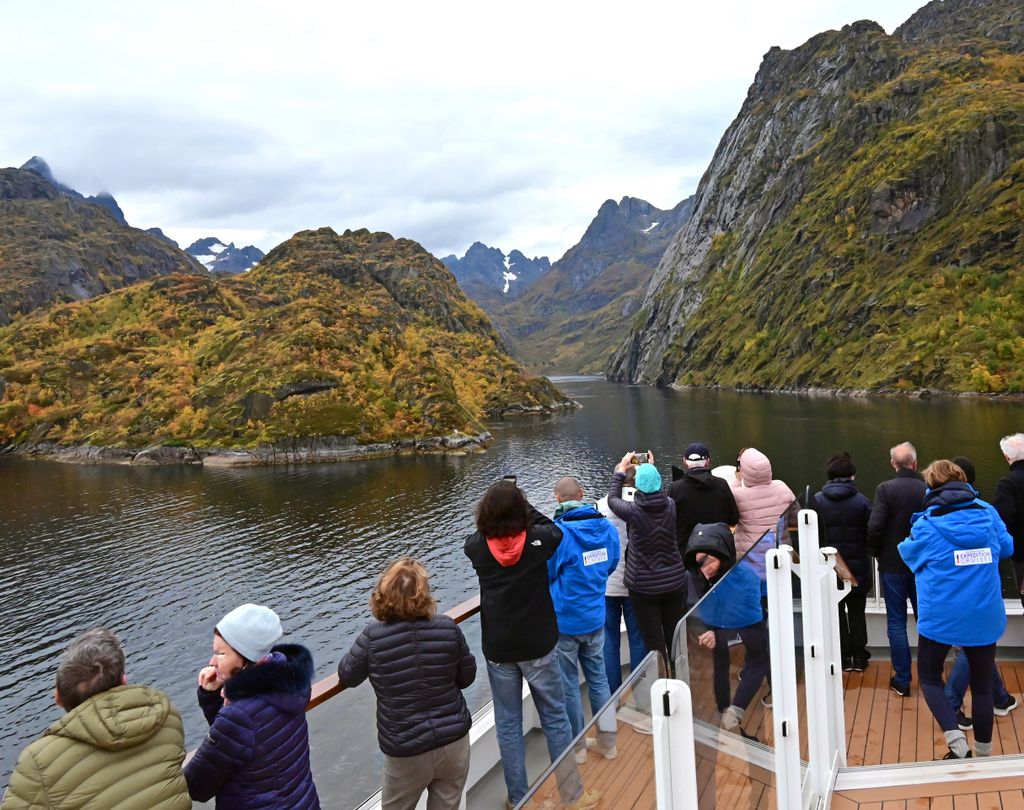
(882, 728)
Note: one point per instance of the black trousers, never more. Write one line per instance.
(931, 655)
(756, 663)
(853, 627)
(656, 617)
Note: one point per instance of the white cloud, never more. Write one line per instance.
(448, 122)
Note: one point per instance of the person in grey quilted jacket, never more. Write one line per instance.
(418, 664)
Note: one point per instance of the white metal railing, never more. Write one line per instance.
(785, 706)
(675, 762)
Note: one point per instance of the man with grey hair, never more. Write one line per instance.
(1009, 501)
(896, 501)
(578, 575)
(117, 746)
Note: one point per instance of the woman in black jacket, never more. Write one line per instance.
(844, 514)
(654, 575)
(417, 663)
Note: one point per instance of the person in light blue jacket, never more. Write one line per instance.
(954, 549)
(578, 574)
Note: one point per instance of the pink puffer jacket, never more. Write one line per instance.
(761, 500)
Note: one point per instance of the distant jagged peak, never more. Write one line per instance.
(485, 271)
(219, 257)
(104, 199)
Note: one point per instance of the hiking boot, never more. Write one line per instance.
(848, 665)
(951, 755)
(751, 737)
(964, 722)
(903, 690)
(530, 805)
(588, 799)
(1006, 708)
(860, 664)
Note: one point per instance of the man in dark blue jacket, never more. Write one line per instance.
(578, 574)
(896, 501)
(1009, 500)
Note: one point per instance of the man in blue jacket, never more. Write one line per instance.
(578, 574)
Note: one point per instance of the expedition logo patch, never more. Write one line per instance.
(972, 556)
(598, 555)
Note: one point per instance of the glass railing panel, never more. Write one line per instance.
(721, 650)
(619, 758)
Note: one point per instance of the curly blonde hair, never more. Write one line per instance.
(403, 593)
(942, 472)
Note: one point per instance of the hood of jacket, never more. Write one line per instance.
(653, 502)
(284, 681)
(969, 521)
(590, 527)
(839, 489)
(756, 468)
(699, 477)
(120, 718)
(715, 539)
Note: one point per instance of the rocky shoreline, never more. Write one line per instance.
(854, 393)
(310, 450)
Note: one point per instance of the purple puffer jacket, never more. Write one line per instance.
(256, 756)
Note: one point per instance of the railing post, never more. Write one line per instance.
(823, 669)
(785, 708)
(675, 762)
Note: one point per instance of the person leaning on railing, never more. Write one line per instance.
(418, 664)
(254, 694)
(953, 550)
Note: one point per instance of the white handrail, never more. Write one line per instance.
(675, 763)
(785, 707)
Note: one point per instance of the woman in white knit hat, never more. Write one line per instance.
(254, 694)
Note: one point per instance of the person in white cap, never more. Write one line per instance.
(254, 694)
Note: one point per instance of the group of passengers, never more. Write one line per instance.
(553, 595)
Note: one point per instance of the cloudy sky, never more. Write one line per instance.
(446, 122)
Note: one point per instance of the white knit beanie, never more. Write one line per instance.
(251, 630)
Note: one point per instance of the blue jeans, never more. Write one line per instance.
(586, 651)
(897, 588)
(615, 609)
(545, 680)
(960, 678)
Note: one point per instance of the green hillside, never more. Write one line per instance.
(358, 335)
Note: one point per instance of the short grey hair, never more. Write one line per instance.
(92, 663)
(903, 455)
(568, 489)
(1013, 446)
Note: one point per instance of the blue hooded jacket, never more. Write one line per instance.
(578, 572)
(733, 598)
(954, 550)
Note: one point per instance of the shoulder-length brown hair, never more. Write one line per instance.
(403, 593)
(942, 472)
(502, 511)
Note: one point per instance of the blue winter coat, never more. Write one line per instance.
(954, 549)
(578, 572)
(256, 756)
(734, 599)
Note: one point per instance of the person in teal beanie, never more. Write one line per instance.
(954, 549)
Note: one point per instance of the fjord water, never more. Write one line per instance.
(159, 554)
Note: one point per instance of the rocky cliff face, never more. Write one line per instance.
(357, 336)
(574, 316)
(490, 277)
(56, 246)
(859, 224)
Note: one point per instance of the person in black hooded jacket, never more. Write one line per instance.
(418, 664)
(844, 514)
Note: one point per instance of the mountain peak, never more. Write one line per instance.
(218, 257)
(41, 167)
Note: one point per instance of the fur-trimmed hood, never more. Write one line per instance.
(284, 684)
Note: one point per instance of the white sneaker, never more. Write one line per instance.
(608, 753)
(640, 721)
(581, 755)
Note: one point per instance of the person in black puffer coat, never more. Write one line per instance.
(655, 575)
(254, 694)
(418, 664)
(844, 514)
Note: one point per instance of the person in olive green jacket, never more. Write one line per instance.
(119, 747)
